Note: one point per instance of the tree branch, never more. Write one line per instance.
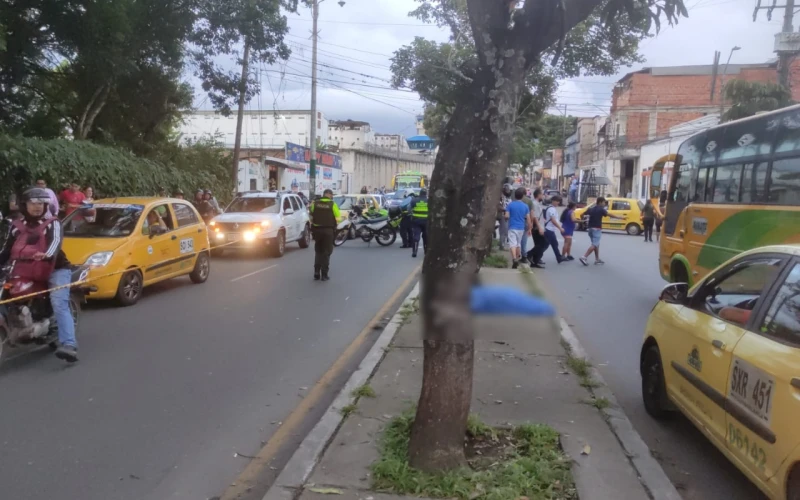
(489, 21)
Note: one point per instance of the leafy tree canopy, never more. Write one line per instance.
(749, 98)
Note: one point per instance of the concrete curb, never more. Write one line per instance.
(305, 458)
(651, 474)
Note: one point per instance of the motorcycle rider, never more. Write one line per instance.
(419, 215)
(209, 197)
(45, 235)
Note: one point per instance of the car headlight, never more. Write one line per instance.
(212, 223)
(220, 236)
(249, 236)
(99, 259)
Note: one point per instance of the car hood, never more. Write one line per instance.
(246, 217)
(78, 250)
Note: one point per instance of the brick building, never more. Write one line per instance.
(645, 104)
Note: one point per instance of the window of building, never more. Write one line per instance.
(726, 184)
(783, 319)
(784, 182)
(254, 117)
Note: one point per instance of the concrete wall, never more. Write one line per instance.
(260, 129)
(362, 168)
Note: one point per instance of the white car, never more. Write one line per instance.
(260, 220)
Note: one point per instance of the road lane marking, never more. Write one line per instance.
(254, 273)
(248, 479)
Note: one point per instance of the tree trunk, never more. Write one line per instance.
(92, 109)
(465, 190)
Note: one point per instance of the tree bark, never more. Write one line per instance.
(89, 114)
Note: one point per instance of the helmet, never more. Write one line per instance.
(36, 195)
(423, 192)
(507, 189)
(208, 191)
(178, 191)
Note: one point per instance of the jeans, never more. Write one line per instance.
(524, 246)
(648, 228)
(552, 241)
(59, 299)
(539, 246)
(503, 232)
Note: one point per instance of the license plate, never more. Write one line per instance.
(233, 237)
(753, 388)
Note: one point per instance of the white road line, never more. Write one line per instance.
(254, 273)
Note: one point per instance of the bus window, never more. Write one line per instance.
(701, 185)
(754, 182)
(726, 184)
(784, 185)
(789, 135)
(743, 140)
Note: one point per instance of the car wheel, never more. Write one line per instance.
(793, 484)
(202, 268)
(654, 389)
(130, 288)
(305, 238)
(633, 229)
(279, 245)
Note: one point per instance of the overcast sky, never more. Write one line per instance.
(357, 41)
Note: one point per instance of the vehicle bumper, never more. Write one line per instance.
(102, 288)
(237, 241)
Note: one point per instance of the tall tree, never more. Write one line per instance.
(748, 98)
(510, 39)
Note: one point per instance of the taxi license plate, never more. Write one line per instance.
(753, 388)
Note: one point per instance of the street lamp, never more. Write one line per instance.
(722, 82)
(312, 173)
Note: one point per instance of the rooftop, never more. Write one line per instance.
(696, 70)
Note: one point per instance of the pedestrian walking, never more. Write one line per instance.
(419, 216)
(324, 213)
(519, 220)
(648, 220)
(553, 225)
(526, 236)
(595, 225)
(568, 223)
(537, 232)
(502, 215)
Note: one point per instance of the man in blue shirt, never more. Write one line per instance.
(519, 223)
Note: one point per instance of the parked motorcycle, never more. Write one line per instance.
(381, 229)
(30, 321)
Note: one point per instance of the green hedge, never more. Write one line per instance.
(110, 171)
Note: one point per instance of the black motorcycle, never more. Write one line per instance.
(29, 321)
(382, 229)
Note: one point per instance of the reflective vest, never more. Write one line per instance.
(420, 210)
(322, 213)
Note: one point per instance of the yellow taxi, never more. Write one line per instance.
(346, 202)
(726, 353)
(131, 243)
(629, 209)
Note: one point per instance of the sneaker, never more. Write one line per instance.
(570, 257)
(67, 353)
(325, 277)
(316, 275)
(584, 261)
(599, 262)
(515, 265)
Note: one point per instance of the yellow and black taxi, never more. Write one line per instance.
(629, 209)
(726, 353)
(131, 243)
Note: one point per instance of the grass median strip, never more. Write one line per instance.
(504, 464)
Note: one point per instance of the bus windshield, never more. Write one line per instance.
(734, 187)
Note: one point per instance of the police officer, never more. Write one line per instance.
(406, 229)
(419, 220)
(324, 216)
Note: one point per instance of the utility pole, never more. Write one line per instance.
(787, 42)
(240, 115)
(312, 173)
(722, 83)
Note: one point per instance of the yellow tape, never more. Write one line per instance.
(79, 283)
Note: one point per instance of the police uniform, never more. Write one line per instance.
(324, 215)
(406, 229)
(419, 221)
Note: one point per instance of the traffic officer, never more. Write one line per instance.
(324, 216)
(419, 220)
(406, 229)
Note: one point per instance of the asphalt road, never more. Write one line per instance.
(167, 392)
(607, 307)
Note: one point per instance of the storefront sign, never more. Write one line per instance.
(302, 154)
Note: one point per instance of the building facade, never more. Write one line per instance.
(392, 142)
(260, 129)
(350, 134)
(647, 103)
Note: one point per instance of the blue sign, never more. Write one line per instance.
(302, 154)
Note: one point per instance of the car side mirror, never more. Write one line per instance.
(675, 293)
(288, 211)
(157, 231)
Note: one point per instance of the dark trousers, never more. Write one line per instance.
(323, 248)
(406, 231)
(552, 241)
(420, 229)
(648, 228)
(539, 246)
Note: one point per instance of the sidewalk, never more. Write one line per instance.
(522, 375)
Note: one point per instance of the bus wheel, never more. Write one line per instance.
(793, 484)
(679, 273)
(633, 229)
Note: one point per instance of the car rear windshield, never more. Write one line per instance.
(255, 205)
(102, 221)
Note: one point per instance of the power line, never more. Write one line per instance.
(371, 24)
(344, 47)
